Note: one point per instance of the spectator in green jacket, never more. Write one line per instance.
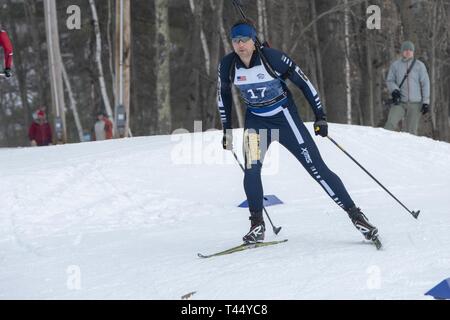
(412, 99)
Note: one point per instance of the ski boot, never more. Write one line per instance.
(257, 229)
(360, 221)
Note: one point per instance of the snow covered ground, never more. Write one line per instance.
(125, 219)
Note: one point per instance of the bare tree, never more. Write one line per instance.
(55, 60)
(122, 55)
(317, 53)
(73, 103)
(347, 70)
(98, 59)
(163, 66)
(198, 15)
(110, 46)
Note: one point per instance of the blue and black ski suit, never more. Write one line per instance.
(272, 115)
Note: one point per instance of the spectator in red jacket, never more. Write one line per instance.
(5, 43)
(40, 132)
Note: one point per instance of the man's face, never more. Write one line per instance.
(244, 47)
(407, 54)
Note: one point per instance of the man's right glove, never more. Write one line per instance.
(7, 72)
(396, 96)
(227, 140)
(321, 127)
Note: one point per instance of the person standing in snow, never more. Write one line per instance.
(5, 43)
(40, 132)
(270, 108)
(413, 98)
(103, 127)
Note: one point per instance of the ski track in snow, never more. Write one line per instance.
(130, 220)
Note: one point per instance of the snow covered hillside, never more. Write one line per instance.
(125, 219)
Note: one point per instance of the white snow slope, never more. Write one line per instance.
(125, 219)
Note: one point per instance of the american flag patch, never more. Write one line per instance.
(241, 78)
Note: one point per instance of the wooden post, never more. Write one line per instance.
(54, 58)
(122, 58)
(126, 62)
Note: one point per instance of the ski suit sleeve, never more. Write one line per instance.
(285, 67)
(224, 99)
(7, 48)
(424, 80)
(391, 79)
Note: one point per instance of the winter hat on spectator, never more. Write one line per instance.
(407, 45)
(41, 113)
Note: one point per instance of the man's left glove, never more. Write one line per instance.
(425, 108)
(7, 72)
(227, 140)
(321, 127)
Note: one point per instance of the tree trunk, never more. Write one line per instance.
(348, 84)
(409, 22)
(197, 13)
(59, 109)
(73, 103)
(163, 66)
(330, 35)
(30, 12)
(98, 59)
(110, 48)
(317, 54)
(370, 76)
(126, 64)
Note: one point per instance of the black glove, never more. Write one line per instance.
(321, 127)
(425, 108)
(227, 140)
(396, 96)
(7, 72)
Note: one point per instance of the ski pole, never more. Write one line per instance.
(415, 214)
(276, 230)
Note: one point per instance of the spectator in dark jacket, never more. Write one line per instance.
(40, 132)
